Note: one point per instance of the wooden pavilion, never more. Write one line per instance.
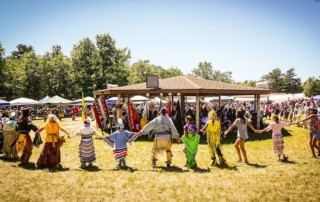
(187, 86)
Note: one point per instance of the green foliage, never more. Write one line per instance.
(167, 73)
(22, 49)
(275, 80)
(250, 83)
(311, 87)
(84, 57)
(291, 83)
(205, 71)
(112, 62)
(139, 70)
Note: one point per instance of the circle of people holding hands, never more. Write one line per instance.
(16, 137)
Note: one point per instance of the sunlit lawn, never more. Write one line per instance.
(264, 179)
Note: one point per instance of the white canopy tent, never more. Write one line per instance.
(24, 101)
(87, 100)
(56, 100)
(4, 103)
(47, 97)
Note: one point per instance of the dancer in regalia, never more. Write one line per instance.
(50, 156)
(118, 141)
(164, 130)
(23, 142)
(86, 147)
(191, 140)
(213, 131)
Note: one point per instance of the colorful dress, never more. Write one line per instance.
(277, 138)
(24, 141)
(213, 138)
(10, 134)
(118, 141)
(86, 147)
(313, 128)
(50, 155)
(191, 142)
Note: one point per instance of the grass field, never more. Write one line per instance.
(264, 179)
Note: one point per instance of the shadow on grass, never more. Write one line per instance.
(4, 158)
(91, 168)
(227, 167)
(256, 165)
(126, 168)
(201, 170)
(165, 169)
(27, 166)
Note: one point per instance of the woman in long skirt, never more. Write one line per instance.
(86, 147)
(277, 138)
(50, 156)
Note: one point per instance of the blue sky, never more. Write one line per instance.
(247, 37)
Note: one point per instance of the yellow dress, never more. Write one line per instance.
(213, 132)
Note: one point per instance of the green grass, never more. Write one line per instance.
(264, 179)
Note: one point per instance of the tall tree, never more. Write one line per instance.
(204, 70)
(275, 80)
(250, 83)
(58, 74)
(84, 57)
(218, 75)
(138, 71)
(22, 49)
(167, 73)
(291, 83)
(113, 63)
(311, 87)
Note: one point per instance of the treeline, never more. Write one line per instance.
(92, 65)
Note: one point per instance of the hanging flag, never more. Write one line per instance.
(178, 120)
(169, 106)
(131, 117)
(144, 119)
(84, 116)
(96, 115)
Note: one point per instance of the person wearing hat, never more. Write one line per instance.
(213, 131)
(118, 141)
(86, 147)
(164, 130)
(50, 155)
(24, 142)
(10, 134)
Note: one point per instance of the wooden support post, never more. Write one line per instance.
(219, 102)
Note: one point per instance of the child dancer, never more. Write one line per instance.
(277, 138)
(241, 122)
(191, 140)
(86, 147)
(213, 130)
(118, 141)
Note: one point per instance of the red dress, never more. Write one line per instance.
(75, 110)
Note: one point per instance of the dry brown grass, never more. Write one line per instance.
(264, 179)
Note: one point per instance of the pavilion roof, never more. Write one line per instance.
(186, 85)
